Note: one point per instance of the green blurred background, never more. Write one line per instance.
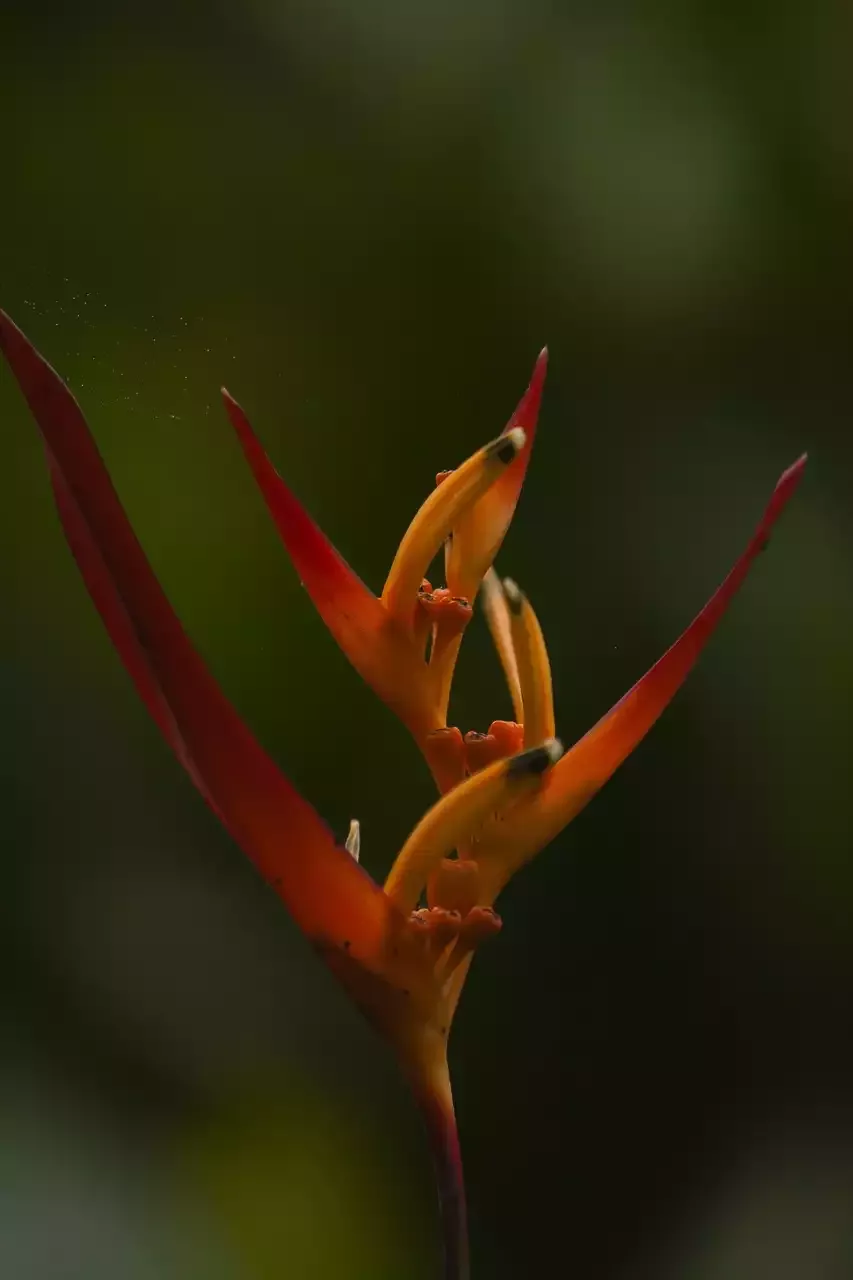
(366, 218)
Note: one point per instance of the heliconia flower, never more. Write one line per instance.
(386, 636)
(506, 793)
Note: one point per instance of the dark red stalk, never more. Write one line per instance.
(440, 1120)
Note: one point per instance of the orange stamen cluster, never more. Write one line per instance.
(415, 990)
(504, 739)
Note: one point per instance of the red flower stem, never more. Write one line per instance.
(440, 1119)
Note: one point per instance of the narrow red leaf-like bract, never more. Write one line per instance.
(587, 765)
(375, 643)
(329, 895)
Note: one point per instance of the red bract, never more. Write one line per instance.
(329, 895)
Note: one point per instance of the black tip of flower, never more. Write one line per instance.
(513, 595)
(535, 760)
(508, 446)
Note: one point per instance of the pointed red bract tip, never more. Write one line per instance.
(329, 580)
(622, 728)
(526, 412)
(591, 761)
(380, 652)
(788, 481)
(481, 531)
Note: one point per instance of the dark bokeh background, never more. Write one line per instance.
(366, 219)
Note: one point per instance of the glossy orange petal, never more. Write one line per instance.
(330, 897)
(479, 534)
(376, 644)
(590, 762)
(441, 513)
(534, 667)
(460, 813)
